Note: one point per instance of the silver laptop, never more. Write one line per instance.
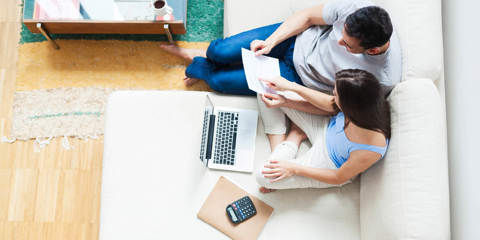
(228, 138)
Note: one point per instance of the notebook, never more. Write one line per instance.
(213, 211)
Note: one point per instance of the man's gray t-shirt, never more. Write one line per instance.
(317, 56)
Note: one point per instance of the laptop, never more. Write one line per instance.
(228, 138)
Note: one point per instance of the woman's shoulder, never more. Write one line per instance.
(366, 136)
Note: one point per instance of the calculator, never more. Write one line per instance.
(241, 210)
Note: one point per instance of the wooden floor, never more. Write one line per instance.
(53, 194)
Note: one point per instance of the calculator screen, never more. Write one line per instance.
(234, 217)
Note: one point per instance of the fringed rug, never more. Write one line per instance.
(59, 112)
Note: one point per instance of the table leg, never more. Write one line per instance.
(45, 34)
(169, 34)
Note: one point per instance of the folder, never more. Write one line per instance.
(213, 211)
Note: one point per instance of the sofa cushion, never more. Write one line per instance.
(150, 161)
(418, 24)
(240, 16)
(405, 195)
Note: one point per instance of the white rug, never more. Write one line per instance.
(66, 112)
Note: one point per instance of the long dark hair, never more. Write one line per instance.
(362, 100)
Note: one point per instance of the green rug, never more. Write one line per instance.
(204, 24)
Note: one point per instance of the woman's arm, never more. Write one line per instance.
(358, 162)
(275, 101)
(292, 26)
(319, 99)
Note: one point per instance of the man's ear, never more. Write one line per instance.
(373, 51)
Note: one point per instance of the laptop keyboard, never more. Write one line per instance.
(226, 137)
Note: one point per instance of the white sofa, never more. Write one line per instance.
(406, 195)
(153, 183)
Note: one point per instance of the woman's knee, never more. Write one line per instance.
(261, 180)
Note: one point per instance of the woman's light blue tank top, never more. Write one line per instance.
(338, 145)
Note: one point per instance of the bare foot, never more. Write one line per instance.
(190, 81)
(266, 190)
(185, 53)
(297, 131)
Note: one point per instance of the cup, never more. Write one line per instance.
(161, 8)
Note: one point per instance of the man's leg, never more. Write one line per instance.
(229, 79)
(228, 51)
(186, 53)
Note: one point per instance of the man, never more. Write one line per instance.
(312, 45)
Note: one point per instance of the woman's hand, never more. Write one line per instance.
(278, 170)
(260, 47)
(274, 100)
(278, 83)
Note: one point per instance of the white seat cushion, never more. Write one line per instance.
(405, 195)
(153, 182)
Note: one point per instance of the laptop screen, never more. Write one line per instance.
(209, 104)
(205, 148)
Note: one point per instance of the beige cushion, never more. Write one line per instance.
(405, 195)
(152, 142)
(241, 16)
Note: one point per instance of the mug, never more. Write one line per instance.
(161, 8)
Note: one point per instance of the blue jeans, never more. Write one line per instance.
(223, 69)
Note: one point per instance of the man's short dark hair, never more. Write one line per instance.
(371, 25)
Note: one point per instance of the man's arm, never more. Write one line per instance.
(297, 23)
(292, 26)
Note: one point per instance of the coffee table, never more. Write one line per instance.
(102, 17)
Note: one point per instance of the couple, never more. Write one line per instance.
(342, 57)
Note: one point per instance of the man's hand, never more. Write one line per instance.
(260, 47)
(274, 100)
(278, 83)
(278, 170)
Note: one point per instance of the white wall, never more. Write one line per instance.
(461, 22)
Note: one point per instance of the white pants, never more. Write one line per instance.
(314, 126)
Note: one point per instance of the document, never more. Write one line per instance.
(265, 67)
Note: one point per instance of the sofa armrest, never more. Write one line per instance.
(406, 195)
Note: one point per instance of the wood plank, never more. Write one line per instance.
(8, 44)
(47, 191)
(7, 86)
(5, 181)
(81, 196)
(22, 195)
(10, 12)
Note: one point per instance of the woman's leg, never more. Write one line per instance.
(313, 125)
(295, 136)
(312, 158)
(274, 123)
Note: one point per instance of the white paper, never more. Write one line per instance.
(265, 67)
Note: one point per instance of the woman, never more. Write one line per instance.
(343, 146)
